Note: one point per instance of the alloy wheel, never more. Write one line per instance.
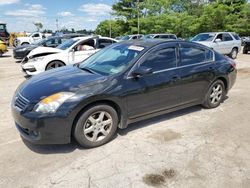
(54, 65)
(97, 126)
(216, 94)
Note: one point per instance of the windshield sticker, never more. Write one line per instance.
(136, 48)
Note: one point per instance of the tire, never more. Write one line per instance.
(91, 131)
(1, 53)
(245, 50)
(215, 95)
(54, 64)
(24, 43)
(233, 53)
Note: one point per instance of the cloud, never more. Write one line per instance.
(32, 10)
(65, 14)
(99, 9)
(8, 2)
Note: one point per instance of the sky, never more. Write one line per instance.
(78, 14)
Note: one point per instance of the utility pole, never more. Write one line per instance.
(57, 24)
(110, 26)
(138, 18)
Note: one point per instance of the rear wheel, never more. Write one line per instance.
(234, 53)
(96, 126)
(215, 95)
(245, 50)
(54, 64)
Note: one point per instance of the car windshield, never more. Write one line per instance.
(112, 60)
(68, 43)
(203, 37)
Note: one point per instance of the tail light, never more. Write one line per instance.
(232, 62)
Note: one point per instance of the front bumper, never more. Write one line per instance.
(32, 68)
(20, 55)
(39, 129)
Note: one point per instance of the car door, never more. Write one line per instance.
(228, 43)
(82, 51)
(196, 70)
(159, 90)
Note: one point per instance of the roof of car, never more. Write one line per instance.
(146, 42)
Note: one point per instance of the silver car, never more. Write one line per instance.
(226, 43)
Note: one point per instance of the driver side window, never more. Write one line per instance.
(162, 59)
(85, 45)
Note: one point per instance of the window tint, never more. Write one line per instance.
(105, 42)
(236, 36)
(36, 35)
(192, 55)
(157, 36)
(164, 36)
(227, 37)
(172, 36)
(161, 59)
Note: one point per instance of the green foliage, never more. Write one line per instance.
(184, 18)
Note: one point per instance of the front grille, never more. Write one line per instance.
(25, 60)
(21, 102)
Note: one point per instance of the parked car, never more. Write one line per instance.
(226, 43)
(72, 51)
(161, 36)
(33, 37)
(246, 47)
(244, 39)
(3, 48)
(123, 83)
(131, 37)
(21, 52)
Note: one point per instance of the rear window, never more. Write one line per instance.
(236, 36)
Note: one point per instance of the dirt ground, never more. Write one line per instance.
(194, 147)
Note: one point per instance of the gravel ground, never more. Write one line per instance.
(194, 147)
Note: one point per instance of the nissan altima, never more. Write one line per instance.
(121, 84)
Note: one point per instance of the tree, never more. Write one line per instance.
(38, 25)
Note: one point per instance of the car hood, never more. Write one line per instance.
(28, 46)
(68, 78)
(44, 50)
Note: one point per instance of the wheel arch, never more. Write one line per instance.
(109, 102)
(224, 80)
(54, 60)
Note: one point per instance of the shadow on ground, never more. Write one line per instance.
(67, 148)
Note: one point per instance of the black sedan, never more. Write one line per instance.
(123, 83)
(21, 52)
(246, 47)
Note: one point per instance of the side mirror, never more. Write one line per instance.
(217, 40)
(72, 50)
(141, 71)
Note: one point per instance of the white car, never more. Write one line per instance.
(33, 37)
(72, 51)
(226, 43)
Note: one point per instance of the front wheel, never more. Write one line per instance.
(96, 126)
(245, 50)
(215, 95)
(234, 53)
(54, 64)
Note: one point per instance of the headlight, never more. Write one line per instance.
(52, 103)
(37, 59)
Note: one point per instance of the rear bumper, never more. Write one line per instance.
(232, 78)
(39, 129)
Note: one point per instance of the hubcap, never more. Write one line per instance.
(98, 126)
(234, 53)
(216, 94)
(55, 65)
